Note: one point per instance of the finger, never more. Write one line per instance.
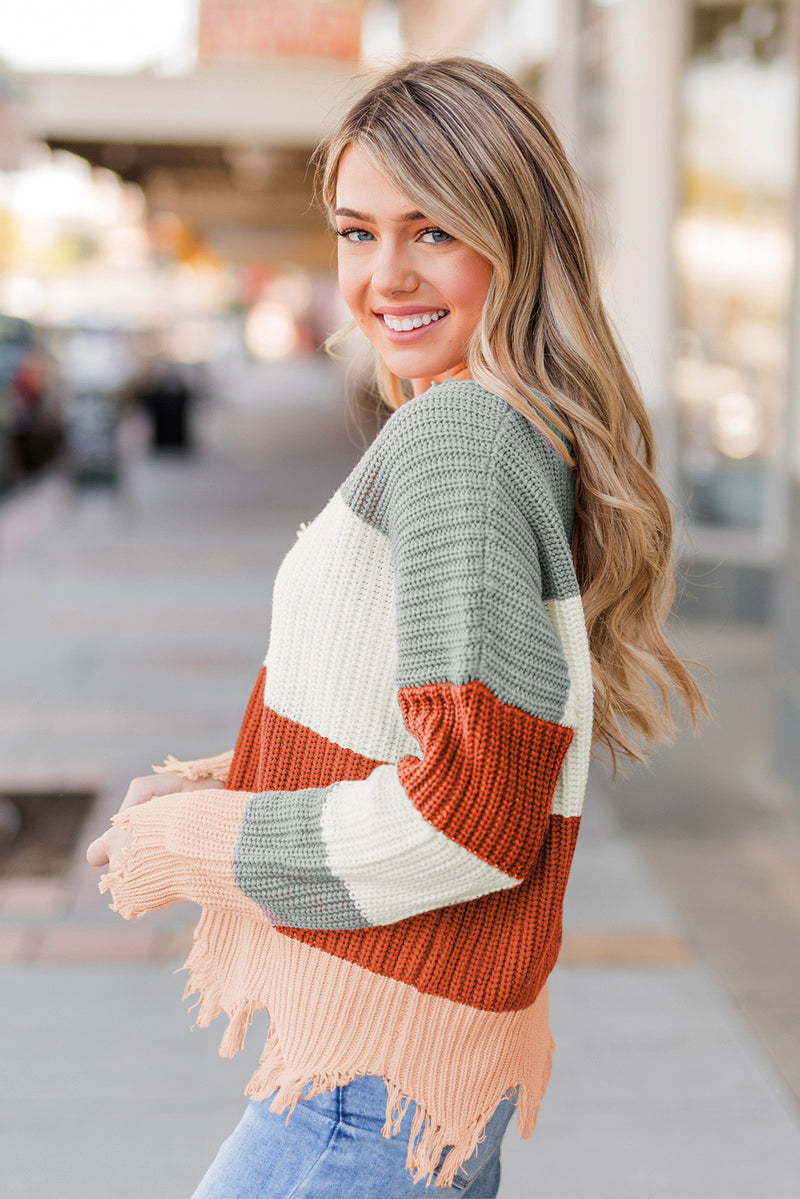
(135, 794)
(149, 786)
(97, 854)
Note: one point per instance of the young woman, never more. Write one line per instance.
(381, 860)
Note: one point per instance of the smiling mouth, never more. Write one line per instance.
(405, 324)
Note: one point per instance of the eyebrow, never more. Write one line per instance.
(404, 218)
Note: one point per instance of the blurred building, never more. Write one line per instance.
(682, 118)
(223, 146)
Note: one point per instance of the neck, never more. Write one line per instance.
(459, 371)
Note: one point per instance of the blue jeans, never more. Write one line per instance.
(332, 1148)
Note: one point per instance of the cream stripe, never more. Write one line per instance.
(332, 660)
(568, 621)
(392, 861)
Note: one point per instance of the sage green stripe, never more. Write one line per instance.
(280, 861)
(477, 508)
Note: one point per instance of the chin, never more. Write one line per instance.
(418, 368)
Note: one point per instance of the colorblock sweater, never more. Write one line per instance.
(384, 869)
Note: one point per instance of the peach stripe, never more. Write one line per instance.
(332, 1020)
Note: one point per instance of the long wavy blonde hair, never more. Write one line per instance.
(478, 156)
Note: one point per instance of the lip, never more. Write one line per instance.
(409, 310)
(407, 336)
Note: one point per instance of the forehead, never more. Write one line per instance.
(362, 185)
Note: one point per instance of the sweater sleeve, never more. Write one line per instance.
(482, 685)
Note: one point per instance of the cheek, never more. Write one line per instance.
(345, 283)
(470, 287)
(351, 286)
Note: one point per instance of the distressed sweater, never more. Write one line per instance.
(384, 869)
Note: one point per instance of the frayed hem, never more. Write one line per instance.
(325, 1050)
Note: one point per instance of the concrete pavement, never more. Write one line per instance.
(133, 626)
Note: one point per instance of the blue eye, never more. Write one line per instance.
(437, 236)
(355, 236)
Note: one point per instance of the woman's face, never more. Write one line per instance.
(415, 291)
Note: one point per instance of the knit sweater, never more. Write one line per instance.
(384, 869)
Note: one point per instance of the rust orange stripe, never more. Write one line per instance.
(489, 771)
(493, 953)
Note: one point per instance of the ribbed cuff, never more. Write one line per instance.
(181, 848)
(148, 876)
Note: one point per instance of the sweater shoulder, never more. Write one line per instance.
(457, 440)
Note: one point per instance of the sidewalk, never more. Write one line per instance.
(134, 627)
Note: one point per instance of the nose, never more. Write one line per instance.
(393, 271)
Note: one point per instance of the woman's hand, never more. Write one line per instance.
(107, 849)
(168, 783)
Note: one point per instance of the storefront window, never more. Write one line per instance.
(595, 96)
(733, 252)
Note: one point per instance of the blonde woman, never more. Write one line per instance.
(381, 861)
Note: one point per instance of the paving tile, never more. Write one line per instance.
(106, 622)
(610, 947)
(175, 943)
(17, 944)
(75, 943)
(32, 896)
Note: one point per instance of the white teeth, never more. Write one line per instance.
(404, 324)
